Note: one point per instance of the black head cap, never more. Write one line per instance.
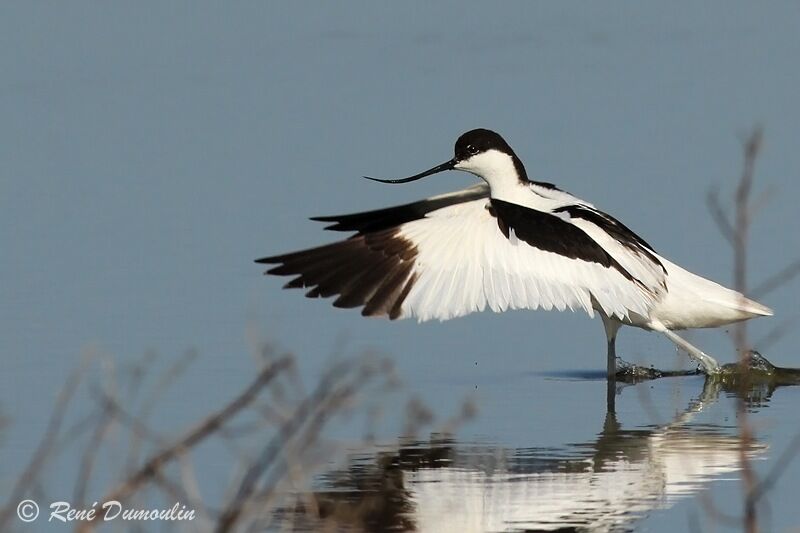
(480, 140)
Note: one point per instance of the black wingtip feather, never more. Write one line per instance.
(296, 283)
(373, 267)
(366, 270)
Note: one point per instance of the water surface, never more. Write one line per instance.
(148, 153)
(621, 473)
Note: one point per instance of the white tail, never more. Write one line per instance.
(752, 307)
(696, 302)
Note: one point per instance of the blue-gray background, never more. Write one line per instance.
(149, 152)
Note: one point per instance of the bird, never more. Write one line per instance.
(508, 242)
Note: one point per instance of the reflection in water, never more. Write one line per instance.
(602, 485)
(626, 475)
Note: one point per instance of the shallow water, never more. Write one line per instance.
(625, 471)
(148, 154)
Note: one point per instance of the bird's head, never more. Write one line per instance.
(481, 152)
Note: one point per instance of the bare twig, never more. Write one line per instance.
(139, 429)
(151, 468)
(741, 233)
(779, 279)
(46, 445)
(302, 429)
(762, 200)
(737, 233)
(173, 372)
(718, 214)
(89, 456)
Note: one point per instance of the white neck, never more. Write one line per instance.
(496, 169)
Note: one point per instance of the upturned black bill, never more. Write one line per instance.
(435, 170)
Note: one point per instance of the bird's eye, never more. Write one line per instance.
(472, 149)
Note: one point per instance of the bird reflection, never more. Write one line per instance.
(606, 484)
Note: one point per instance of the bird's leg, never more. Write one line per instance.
(611, 378)
(709, 364)
(611, 358)
(611, 327)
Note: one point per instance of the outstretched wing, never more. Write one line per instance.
(391, 217)
(467, 255)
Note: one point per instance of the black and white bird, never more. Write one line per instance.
(508, 243)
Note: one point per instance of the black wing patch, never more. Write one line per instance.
(546, 185)
(391, 217)
(613, 227)
(372, 270)
(549, 233)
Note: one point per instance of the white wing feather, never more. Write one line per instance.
(465, 264)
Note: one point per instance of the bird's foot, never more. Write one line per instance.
(633, 373)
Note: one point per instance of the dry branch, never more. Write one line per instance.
(47, 444)
(332, 392)
(153, 466)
